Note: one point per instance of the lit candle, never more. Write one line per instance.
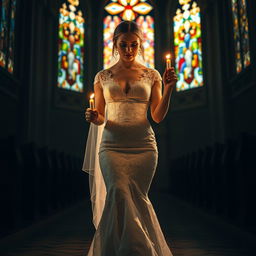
(91, 101)
(168, 61)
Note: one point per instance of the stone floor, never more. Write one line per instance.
(189, 232)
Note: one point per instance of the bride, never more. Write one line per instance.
(122, 159)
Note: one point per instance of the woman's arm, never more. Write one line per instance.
(99, 104)
(160, 103)
(97, 115)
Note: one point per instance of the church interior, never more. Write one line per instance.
(205, 185)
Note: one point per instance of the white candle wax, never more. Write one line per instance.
(91, 101)
(168, 61)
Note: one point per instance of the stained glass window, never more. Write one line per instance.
(138, 10)
(7, 24)
(71, 47)
(241, 34)
(188, 45)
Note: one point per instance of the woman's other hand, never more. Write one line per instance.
(170, 77)
(91, 115)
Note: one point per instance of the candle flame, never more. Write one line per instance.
(92, 96)
(168, 56)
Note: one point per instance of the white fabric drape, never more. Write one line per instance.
(92, 167)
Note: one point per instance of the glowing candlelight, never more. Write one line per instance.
(168, 61)
(91, 101)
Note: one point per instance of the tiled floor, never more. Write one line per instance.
(189, 232)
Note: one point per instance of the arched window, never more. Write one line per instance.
(71, 47)
(7, 36)
(188, 45)
(241, 34)
(138, 10)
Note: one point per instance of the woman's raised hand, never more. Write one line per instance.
(91, 115)
(170, 77)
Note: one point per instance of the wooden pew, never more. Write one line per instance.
(31, 182)
(245, 168)
(216, 177)
(10, 185)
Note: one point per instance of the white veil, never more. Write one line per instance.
(91, 159)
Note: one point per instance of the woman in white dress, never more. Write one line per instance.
(128, 151)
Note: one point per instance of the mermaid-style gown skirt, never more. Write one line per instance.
(128, 158)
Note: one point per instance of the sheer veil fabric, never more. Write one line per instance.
(91, 165)
(91, 160)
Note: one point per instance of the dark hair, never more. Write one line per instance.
(125, 27)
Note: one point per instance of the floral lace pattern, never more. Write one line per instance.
(147, 74)
(138, 89)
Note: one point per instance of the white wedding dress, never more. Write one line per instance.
(128, 158)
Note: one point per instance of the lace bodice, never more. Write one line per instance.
(139, 89)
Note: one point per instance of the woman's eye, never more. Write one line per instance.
(122, 45)
(134, 45)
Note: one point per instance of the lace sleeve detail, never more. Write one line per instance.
(102, 76)
(97, 78)
(157, 76)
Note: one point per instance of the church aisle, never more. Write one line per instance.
(67, 233)
(188, 231)
(191, 232)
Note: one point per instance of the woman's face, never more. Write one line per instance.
(128, 45)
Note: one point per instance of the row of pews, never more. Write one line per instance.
(220, 179)
(35, 183)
